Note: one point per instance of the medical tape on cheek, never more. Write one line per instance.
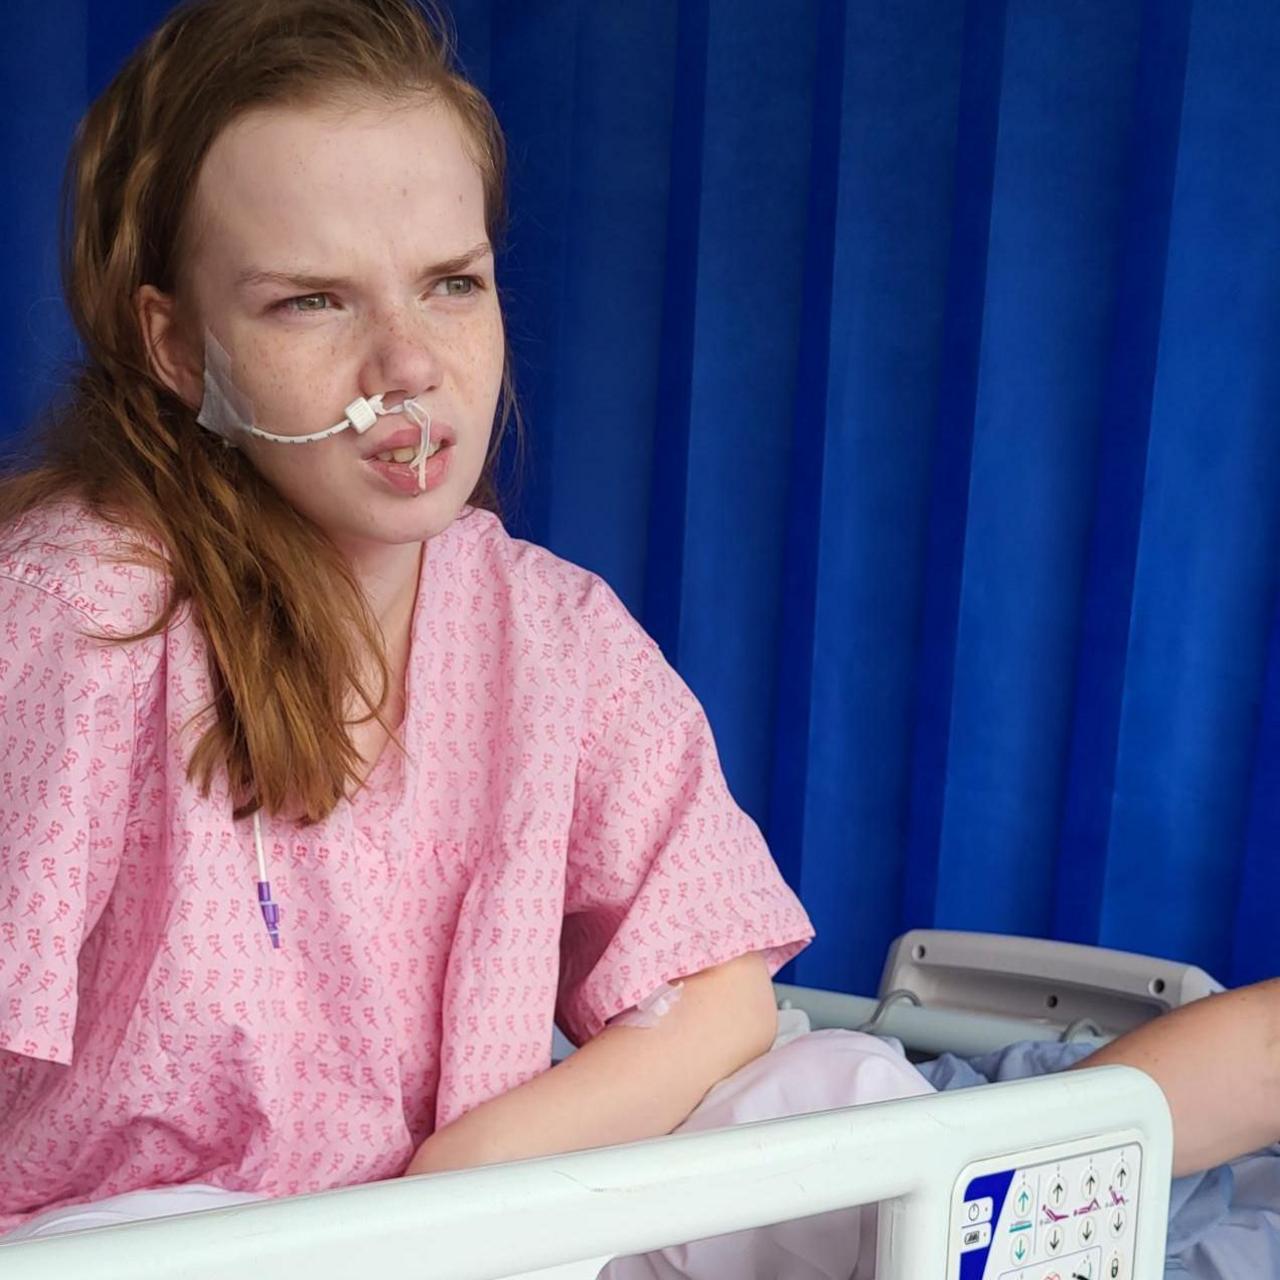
(225, 409)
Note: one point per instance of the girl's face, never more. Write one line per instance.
(340, 252)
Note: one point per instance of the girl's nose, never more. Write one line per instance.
(402, 362)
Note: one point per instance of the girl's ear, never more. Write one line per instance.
(175, 359)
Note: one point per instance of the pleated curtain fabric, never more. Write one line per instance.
(912, 370)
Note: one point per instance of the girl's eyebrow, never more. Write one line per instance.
(309, 282)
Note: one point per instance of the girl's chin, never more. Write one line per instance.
(376, 513)
(375, 525)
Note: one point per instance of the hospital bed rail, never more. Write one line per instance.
(563, 1217)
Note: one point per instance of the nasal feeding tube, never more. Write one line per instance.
(225, 410)
(362, 413)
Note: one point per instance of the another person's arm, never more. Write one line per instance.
(1218, 1062)
(625, 1084)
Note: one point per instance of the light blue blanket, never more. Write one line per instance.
(1223, 1224)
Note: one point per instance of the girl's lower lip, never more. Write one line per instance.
(403, 476)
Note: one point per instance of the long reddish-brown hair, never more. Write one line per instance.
(290, 636)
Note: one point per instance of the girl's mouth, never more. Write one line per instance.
(396, 469)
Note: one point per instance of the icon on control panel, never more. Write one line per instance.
(1114, 1266)
(1089, 1183)
(1021, 1249)
(976, 1211)
(1088, 1229)
(1022, 1201)
(1120, 1178)
(1055, 1239)
(1058, 1191)
(1116, 1221)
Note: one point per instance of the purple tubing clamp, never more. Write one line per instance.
(270, 912)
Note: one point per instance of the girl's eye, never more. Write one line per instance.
(458, 286)
(305, 302)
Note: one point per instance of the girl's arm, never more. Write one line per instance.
(626, 1084)
(1218, 1062)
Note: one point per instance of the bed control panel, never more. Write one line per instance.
(1061, 1215)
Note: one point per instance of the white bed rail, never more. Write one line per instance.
(563, 1217)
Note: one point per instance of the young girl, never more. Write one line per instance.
(322, 797)
(359, 794)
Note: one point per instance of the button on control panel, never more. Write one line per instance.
(1066, 1218)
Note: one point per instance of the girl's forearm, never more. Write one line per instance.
(626, 1084)
(1218, 1062)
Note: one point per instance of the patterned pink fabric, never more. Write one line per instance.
(560, 842)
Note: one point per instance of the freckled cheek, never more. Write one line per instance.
(481, 356)
(271, 368)
(296, 380)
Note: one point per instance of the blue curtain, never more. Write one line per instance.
(912, 369)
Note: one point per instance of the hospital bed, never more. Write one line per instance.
(1060, 1177)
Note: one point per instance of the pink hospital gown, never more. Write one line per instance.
(557, 844)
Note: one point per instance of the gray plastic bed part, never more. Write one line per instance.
(1057, 985)
(923, 1032)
